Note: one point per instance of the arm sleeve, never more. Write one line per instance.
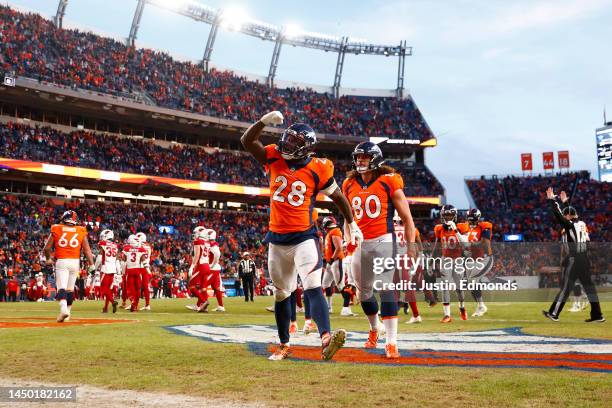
(556, 212)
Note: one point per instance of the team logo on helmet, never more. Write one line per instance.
(297, 142)
(448, 213)
(369, 149)
(473, 216)
(329, 222)
(69, 217)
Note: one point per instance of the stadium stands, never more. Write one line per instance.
(33, 47)
(130, 155)
(518, 204)
(25, 222)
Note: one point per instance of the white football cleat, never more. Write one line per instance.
(192, 307)
(146, 307)
(62, 317)
(346, 311)
(413, 320)
(480, 311)
(300, 310)
(219, 309)
(575, 307)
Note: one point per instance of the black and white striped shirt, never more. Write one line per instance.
(575, 232)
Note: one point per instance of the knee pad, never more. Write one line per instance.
(69, 298)
(281, 294)
(61, 294)
(370, 306)
(329, 292)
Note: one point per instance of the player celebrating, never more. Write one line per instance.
(452, 249)
(199, 271)
(295, 180)
(136, 259)
(146, 272)
(479, 238)
(335, 274)
(215, 269)
(375, 192)
(106, 263)
(67, 239)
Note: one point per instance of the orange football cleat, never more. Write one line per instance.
(391, 351)
(372, 339)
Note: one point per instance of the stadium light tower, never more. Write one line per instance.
(275, 55)
(339, 66)
(61, 11)
(212, 36)
(136, 22)
(399, 91)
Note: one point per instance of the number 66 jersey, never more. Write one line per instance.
(293, 192)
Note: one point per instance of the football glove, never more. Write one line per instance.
(272, 118)
(354, 234)
(91, 269)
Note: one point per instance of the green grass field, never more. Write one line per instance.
(145, 356)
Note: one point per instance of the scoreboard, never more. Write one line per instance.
(604, 153)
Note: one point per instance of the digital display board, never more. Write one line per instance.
(604, 154)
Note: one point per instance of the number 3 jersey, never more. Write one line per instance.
(67, 240)
(293, 192)
(371, 203)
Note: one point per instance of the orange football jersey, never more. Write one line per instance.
(67, 240)
(371, 203)
(451, 247)
(293, 190)
(329, 244)
(475, 234)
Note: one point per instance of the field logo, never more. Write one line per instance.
(501, 348)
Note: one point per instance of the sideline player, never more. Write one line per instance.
(199, 271)
(67, 239)
(214, 256)
(146, 271)
(335, 274)
(375, 192)
(136, 259)
(451, 243)
(107, 265)
(478, 235)
(295, 180)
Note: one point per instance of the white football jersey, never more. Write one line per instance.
(109, 251)
(135, 257)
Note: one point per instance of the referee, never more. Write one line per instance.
(246, 272)
(576, 264)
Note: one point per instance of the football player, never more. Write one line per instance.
(214, 256)
(136, 259)
(452, 249)
(334, 274)
(407, 274)
(106, 263)
(199, 271)
(479, 235)
(67, 239)
(375, 192)
(146, 272)
(295, 180)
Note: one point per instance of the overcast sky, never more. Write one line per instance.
(492, 78)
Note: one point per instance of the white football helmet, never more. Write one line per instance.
(212, 235)
(197, 230)
(203, 234)
(141, 237)
(107, 235)
(133, 241)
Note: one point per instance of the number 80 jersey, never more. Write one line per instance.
(371, 203)
(294, 189)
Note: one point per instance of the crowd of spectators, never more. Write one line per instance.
(141, 156)
(518, 204)
(25, 222)
(32, 46)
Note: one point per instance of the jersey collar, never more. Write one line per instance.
(298, 164)
(362, 183)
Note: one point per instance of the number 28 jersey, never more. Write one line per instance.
(294, 189)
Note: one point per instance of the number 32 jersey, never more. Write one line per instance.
(372, 205)
(294, 189)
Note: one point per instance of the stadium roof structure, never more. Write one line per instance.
(235, 19)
